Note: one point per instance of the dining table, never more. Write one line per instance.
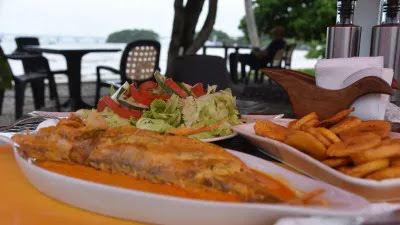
(23, 204)
(73, 56)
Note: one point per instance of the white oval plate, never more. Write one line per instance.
(53, 122)
(385, 190)
(219, 138)
(162, 209)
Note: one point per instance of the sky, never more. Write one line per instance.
(99, 18)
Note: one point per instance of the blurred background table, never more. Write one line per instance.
(73, 57)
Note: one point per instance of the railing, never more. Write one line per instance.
(226, 47)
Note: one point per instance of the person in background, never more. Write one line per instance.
(258, 58)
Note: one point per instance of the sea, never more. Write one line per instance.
(92, 60)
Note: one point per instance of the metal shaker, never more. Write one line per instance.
(343, 39)
(385, 40)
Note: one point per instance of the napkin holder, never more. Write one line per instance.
(307, 97)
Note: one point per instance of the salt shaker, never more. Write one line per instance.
(385, 40)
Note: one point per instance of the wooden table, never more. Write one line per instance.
(73, 57)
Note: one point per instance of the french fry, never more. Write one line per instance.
(270, 129)
(380, 152)
(313, 131)
(379, 127)
(304, 120)
(307, 143)
(345, 124)
(367, 168)
(336, 118)
(329, 134)
(391, 172)
(354, 145)
(309, 124)
(337, 162)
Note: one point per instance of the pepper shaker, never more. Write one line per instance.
(343, 39)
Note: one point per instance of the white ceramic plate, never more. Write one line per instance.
(52, 122)
(161, 209)
(385, 190)
(219, 138)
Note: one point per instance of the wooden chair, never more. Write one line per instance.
(205, 69)
(288, 55)
(20, 82)
(138, 62)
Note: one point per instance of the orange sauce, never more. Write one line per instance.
(124, 181)
(274, 186)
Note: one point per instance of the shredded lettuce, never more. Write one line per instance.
(210, 109)
(157, 125)
(112, 119)
(161, 115)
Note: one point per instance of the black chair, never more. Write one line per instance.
(259, 78)
(21, 81)
(205, 69)
(38, 65)
(139, 61)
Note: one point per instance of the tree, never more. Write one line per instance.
(304, 20)
(184, 40)
(126, 36)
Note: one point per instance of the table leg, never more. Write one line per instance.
(74, 80)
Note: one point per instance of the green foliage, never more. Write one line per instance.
(304, 20)
(5, 73)
(317, 48)
(126, 36)
(310, 71)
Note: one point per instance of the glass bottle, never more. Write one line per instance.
(343, 39)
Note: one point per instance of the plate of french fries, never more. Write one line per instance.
(359, 156)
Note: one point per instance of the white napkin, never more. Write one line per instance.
(392, 113)
(371, 106)
(339, 73)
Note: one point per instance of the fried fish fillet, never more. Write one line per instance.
(146, 155)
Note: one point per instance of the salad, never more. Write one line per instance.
(166, 106)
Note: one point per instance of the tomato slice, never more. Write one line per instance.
(139, 97)
(175, 88)
(146, 89)
(198, 90)
(148, 85)
(121, 111)
(101, 105)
